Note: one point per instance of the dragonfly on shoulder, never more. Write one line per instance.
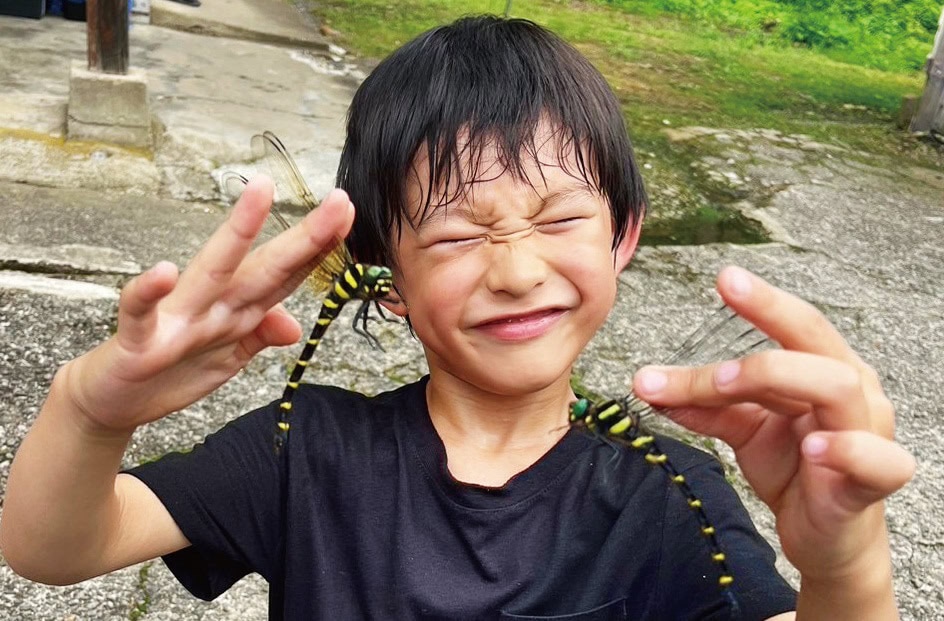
(336, 274)
(723, 336)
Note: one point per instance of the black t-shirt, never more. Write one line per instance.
(363, 521)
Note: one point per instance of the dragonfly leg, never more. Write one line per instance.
(382, 314)
(279, 440)
(615, 459)
(360, 325)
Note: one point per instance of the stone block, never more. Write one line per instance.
(909, 105)
(107, 107)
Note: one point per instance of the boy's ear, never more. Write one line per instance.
(395, 304)
(627, 247)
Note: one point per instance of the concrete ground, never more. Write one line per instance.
(857, 235)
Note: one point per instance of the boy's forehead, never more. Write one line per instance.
(552, 167)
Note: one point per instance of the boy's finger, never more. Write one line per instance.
(799, 326)
(209, 274)
(792, 322)
(141, 295)
(874, 467)
(832, 389)
(278, 266)
(735, 425)
(277, 327)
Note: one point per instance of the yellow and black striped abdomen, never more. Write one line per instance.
(616, 419)
(356, 281)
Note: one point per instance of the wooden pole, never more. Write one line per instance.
(107, 32)
(930, 114)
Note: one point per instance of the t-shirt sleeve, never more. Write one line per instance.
(225, 497)
(759, 592)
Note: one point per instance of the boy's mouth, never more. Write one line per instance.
(521, 327)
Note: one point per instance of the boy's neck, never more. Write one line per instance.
(490, 438)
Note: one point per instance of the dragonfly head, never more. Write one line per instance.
(579, 409)
(378, 280)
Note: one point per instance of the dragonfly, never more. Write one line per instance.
(724, 335)
(336, 274)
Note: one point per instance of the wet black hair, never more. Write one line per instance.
(481, 81)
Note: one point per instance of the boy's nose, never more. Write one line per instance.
(515, 269)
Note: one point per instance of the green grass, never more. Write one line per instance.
(674, 68)
(685, 68)
(884, 34)
(139, 608)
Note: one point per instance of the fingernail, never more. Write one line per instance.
(652, 381)
(814, 446)
(739, 282)
(726, 372)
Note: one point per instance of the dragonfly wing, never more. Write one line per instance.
(329, 266)
(233, 185)
(326, 266)
(292, 190)
(722, 336)
(290, 187)
(725, 335)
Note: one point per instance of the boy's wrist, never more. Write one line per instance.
(63, 400)
(862, 593)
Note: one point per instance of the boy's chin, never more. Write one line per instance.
(511, 370)
(517, 382)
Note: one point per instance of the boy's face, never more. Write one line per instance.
(505, 286)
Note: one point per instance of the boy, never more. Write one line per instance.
(491, 170)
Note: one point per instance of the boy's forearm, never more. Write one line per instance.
(60, 508)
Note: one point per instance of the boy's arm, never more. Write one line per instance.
(812, 431)
(68, 515)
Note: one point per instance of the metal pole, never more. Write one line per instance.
(107, 31)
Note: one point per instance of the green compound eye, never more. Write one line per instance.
(578, 409)
(378, 274)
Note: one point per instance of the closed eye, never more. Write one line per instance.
(454, 241)
(560, 224)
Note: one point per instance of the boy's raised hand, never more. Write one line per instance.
(181, 336)
(812, 431)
